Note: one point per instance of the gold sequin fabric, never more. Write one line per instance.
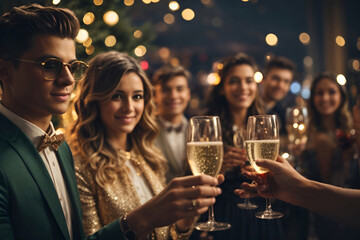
(101, 206)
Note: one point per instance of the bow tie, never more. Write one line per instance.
(176, 129)
(54, 142)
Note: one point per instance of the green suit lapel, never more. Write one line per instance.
(31, 158)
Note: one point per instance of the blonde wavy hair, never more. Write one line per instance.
(88, 136)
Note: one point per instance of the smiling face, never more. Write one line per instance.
(327, 97)
(240, 87)
(123, 111)
(27, 93)
(172, 97)
(277, 84)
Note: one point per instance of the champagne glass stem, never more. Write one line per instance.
(247, 203)
(268, 205)
(211, 219)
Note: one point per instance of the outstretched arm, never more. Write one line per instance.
(286, 184)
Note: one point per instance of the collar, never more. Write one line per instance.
(33, 132)
(166, 124)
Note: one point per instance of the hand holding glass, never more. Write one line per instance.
(263, 142)
(205, 155)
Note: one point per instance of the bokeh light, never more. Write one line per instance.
(206, 2)
(138, 34)
(356, 65)
(88, 18)
(110, 41)
(340, 41)
(308, 61)
(304, 38)
(82, 36)
(144, 65)
(87, 42)
(174, 61)
(174, 6)
(111, 18)
(90, 50)
(305, 93)
(188, 14)
(295, 88)
(146, 1)
(213, 79)
(98, 2)
(164, 53)
(271, 39)
(140, 50)
(129, 2)
(340, 78)
(56, 2)
(258, 77)
(169, 18)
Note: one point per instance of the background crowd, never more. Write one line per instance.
(128, 139)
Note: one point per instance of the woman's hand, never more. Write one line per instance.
(279, 183)
(183, 198)
(232, 158)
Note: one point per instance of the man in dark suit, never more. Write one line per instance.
(172, 96)
(39, 198)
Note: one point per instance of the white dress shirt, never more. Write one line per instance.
(34, 133)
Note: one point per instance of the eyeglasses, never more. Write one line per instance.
(52, 68)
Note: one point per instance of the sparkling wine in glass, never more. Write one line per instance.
(296, 127)
(239, 142)
(263, 142)
(205, 155)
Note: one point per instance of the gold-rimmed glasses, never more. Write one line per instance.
(52, 67)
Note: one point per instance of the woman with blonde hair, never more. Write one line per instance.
(119, 171)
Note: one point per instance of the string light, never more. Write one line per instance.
(110, 41)
(98, 2)
(271, 39)
(174, 6)
(258, 77)
(82, 36)
(128, 2)
(188, 14)
(140, 50)
(341, 79)
(213, 79)
(169, 18)
(111, 18)
(340, 41)
(304, 38)
(138, 34)
(88, 18)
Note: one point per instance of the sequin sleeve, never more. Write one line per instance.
(87, 190)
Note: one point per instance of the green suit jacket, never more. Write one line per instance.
(29, 205)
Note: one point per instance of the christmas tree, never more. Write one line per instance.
(105, 26)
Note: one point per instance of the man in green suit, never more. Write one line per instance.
(39, 198)
(38, 192)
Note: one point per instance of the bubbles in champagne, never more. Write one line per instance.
(205, 157)
(261, 149)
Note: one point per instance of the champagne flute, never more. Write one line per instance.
(205, 155)
(296, 126)
(263, 143)
(239, 142)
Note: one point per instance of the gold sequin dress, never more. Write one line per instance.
(101, 206)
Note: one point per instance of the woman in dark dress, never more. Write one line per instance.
(234, 99)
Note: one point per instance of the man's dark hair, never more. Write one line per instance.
(280, 62)
(165, 73)
(19, 25)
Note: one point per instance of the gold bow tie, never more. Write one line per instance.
(54, 142)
